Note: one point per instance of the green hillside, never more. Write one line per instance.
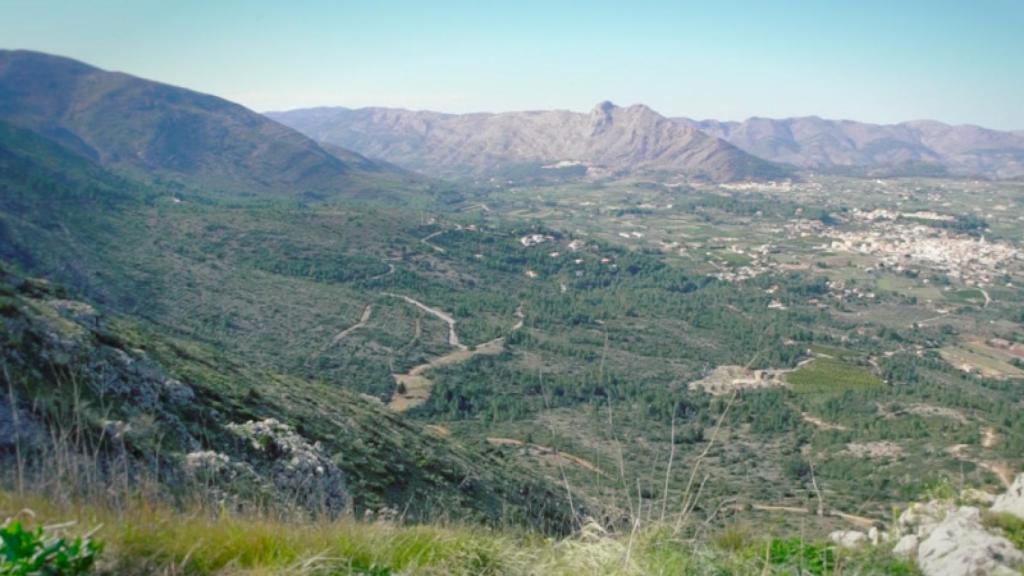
(284, 287)
(161, 133)
(211, 325)
(105, 400)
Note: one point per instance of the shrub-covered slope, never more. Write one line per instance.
(100, 399)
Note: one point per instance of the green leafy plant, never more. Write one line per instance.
(39, 552)
(813, 558)
(1011, 526)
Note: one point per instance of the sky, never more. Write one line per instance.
(958, 61)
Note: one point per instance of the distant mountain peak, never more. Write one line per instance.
(609, 139)
(601, 117)
(642, 109)
(164, 131)
(607, 108)
(917, 147)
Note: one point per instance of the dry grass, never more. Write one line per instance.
(146, 539)
(143, 538)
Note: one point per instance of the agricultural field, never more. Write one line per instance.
(856, 350)
(830, 376)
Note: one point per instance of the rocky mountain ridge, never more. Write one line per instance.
(625, 140)
(152, 130)
(608, 140)
(907, 148)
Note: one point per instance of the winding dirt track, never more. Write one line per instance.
(860, 521)
(989, 439)
(546, 451)
(391, 270)
(1001, 470)
(414, 387)
(367, 311)
(819, 423)
(426, 240)
(453, 336)
(417, 386)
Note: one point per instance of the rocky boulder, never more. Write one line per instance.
(960, 546)
(855, 538)
(922, 517)
(975, 497)
(1011, 502)
(299, 470)
(906, 546)
(848, 538)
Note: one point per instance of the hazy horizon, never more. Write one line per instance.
(871, 62)
(627, 105)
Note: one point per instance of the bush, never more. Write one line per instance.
(1011, 526)
(793, 552)
(31, 553)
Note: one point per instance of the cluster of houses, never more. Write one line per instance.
(974, 261)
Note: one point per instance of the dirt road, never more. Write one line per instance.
(415, 386)
(367, 311)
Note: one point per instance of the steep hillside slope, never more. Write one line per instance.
(90, 397)
(61, 214)
(610, 139)
(908, 148)
(235, 273)
(156, 130)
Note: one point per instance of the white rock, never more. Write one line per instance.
(848, 538)
(906, 547)
(960, 546)
(876, 537)
(921, 517)
(976, 497)
(1012, 501)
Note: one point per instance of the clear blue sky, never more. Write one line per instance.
(960, 61)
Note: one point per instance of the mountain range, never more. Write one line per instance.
(115, 196)
(221, 317)
(618, 140)
(609, 140)
(908, 148)
(156, 130)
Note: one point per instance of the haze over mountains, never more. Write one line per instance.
(151, 128)
(119, 190)
(613, 139)
(196, 139)
(608, 140)
(923, 146)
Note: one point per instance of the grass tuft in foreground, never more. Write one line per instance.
(144, 538)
